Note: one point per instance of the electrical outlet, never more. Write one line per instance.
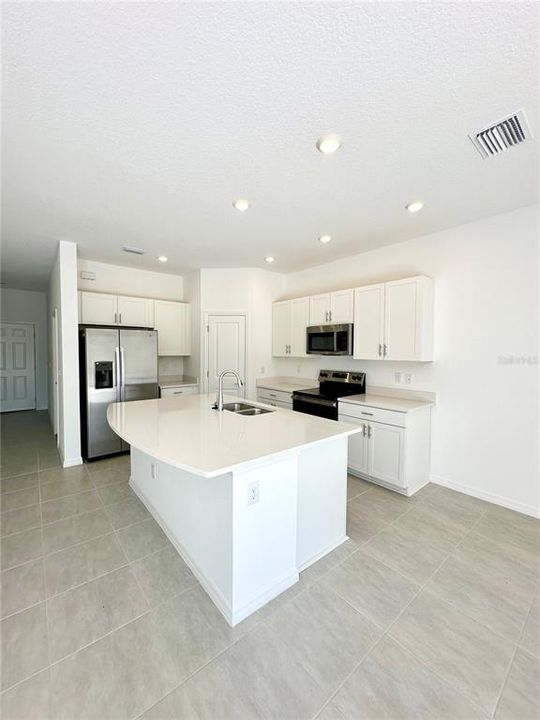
(153, 471)
(253, 493)
(397, 378)
(408, 378)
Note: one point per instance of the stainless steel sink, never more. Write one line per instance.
(245, 409)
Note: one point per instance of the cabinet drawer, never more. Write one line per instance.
(172, 391)
(372, 414)
(265, 395)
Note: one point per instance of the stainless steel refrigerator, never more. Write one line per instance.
(115, 366)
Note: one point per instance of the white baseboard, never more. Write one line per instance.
(321, 554)
(487, 496)
(71, 462)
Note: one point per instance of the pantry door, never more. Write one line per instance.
(17, 367)
(225, 350)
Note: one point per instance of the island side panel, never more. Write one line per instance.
(264, 533)
(196, 515)
(322, 500)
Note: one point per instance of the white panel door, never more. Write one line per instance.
(135, 311)
(299, 323)
(17, 367)
(369, 322)
(281, 328)
(319, 309)
(386, 453)
(401, 319)
(341, 306)
(98, 309)
(226, 350)
(357, 458)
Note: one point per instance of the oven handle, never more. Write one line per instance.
(315, 401)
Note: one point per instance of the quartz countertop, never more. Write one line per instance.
(286, 384)
(385, 402)
(185, 432)
(177, 380)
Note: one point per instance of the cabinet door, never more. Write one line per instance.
(341, 306)
(135, 311)
(299, 323)
(401, 319)
(319, 309)
(369, 322)
(173, 323)
(281, 328)
(177, 391)
(98, 309)
(386, 453)
(357, 458)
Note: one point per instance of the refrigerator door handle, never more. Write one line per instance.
(122, 376)
(117, 371)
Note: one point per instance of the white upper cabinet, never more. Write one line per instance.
(135, 311)
(394, 320)
(173, 323)
(98, 309)
(336, 307)
(299, 322)
(369, 322)
(289, 321)
(408, 319)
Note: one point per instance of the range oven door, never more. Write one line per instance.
(329, 339)
(315, 406)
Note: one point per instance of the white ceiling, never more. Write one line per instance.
(139, 123)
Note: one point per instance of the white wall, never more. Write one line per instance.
(26, 306)
(63, 298)
(192, 294)
(485, 425)
(248, 290)
(122, 280)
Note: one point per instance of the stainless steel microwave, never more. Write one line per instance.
(329, 339)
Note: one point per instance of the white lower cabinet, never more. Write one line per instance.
(394, 453)
(180, 390)
(276, 398)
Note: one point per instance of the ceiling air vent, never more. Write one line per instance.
(133, 250)
(502, 135)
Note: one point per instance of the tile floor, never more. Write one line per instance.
(430, 610)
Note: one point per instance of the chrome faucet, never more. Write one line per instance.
(218, 405)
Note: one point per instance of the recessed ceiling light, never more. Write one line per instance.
(241, 204)
(328, 144)
(163, 258)
(325, 239)
(269, 259)
(414, 206)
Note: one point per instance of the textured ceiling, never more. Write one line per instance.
(139, 123)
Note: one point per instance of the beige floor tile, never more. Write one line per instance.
(392, 684)
(53, 510)
(22, 586)
(520, 699)
(371, 587)
(126, 512)
(361, 526)
(24, 645)
(356, 486)
(30, 700)
(256, 678)
(114, 493)
(18, 520)
(65, 486)
(75, 565)
(77, 529)
(52, 475)
(141, 539)
(325, 635)
(530, 640)
(163, 575)
(380, 504)
(491, 599)
(86, 613)
(117, 677)
(22, 482)
(328, 562)
(20, 499)
(467, 655)
(21, 547)
(520, 531)
(22, 466)
(501, 558)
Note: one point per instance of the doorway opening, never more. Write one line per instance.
(17, 367)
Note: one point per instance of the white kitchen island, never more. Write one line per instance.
(248, 501)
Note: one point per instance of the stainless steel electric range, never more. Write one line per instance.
(333, 384)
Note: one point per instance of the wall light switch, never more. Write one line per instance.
(408, 378)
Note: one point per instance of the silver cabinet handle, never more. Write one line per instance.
(363, 429)
(330, 316)
(366, 413)
(326, 315)
(120, 321)
(369, 431)
(380, 349)
(116, 318)
(272, 395)
(385, 350)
